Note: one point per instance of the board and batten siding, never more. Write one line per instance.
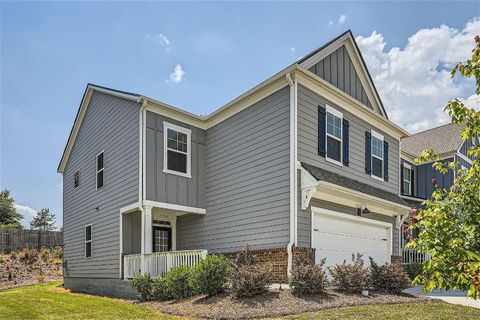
(308, 102)
(110, 124)
(167, 187)
(247, 181)
(338, 69)
(425, 174)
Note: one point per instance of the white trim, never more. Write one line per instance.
(114, 93)
(86, 241)
(131, 207)
(333, 111)
(175, 207)
(188, 132)
(74, 174)
(97, 171)
(337, 114)
(309, 186)
(121, 244)
(379, 137)
(410, 186)
(420, 200)
(463, 157)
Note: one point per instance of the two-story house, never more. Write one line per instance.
(306, 161)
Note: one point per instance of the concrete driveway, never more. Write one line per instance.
(452, 296)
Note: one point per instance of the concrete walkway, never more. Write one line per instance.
(452, 296)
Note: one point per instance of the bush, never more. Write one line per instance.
(306, 278)
(351, 277)
(177, 280)
(389, 277)
(159, 289)
(142, 284)
(248, 279)
(209, 276)
(413, 270)
(28, 255)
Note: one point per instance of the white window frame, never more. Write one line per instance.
(338, 114)
(88, 241)
(188, 132)
(410, 193)
(74, 174)
(380, 137)
(97, 171)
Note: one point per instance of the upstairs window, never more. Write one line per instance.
(76, 179)
(334, 136)
(88, 241)
(407, 179)
(377, 155)
(177, 150)
(99, 170)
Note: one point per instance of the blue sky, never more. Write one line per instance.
(198, 56)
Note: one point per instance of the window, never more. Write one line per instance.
(407, 179)
(100, 170)
(377, 155)
(88, 241)
(334, 136)
(76, 179)
(177, 150)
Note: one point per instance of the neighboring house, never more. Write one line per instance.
(307, 161)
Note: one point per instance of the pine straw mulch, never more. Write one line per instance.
(273, 303)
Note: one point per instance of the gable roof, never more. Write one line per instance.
(443, 140)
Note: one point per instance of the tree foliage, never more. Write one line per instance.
(449, 222)
(44, 220)
(8, 213)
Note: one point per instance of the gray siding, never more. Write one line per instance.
(132, 229)
(247, 181)
(337, 68)
(308, 102)
(110, 124)
(170, 188)
(425, 174)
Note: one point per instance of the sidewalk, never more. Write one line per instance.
(452, 296)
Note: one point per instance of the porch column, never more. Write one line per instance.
(148, 229)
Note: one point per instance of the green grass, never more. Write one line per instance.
(48, 301)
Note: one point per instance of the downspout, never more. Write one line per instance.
(141, 180)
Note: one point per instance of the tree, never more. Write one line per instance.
(8, 214)
(44, 220)
(449, 222)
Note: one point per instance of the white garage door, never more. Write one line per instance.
(338, 237)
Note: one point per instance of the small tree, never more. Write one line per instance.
(449, 222)
(43, 221)
(8, 213)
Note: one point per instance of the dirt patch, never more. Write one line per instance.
(274, 303)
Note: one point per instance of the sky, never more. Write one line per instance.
(199, 56)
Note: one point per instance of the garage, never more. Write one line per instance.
(338, 236)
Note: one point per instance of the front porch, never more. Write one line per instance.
(148, 239)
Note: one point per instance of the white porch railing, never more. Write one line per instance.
(411, 255)
(160, 262)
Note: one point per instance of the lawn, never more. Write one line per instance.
(47, 301)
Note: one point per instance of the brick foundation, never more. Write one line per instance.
(277, 259)
(396, 259)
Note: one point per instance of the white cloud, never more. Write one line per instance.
(292, 49)
(177, 74)
(160, 38)
(330, 23)
(342, 19)
(414, 82)
(27, 212)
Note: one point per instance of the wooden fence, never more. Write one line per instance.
(17, 239)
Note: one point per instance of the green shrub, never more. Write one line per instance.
(177, 281)
(307, 278)
(209, 277)
(351, 277)
(159, 289)
(142, 284)
(389, 277)
(413, 270)
(247, 278)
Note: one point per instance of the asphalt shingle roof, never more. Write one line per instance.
(328, 176)
(443, 139)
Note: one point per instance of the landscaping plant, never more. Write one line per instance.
(177, 281)
(142, 284)
(209, 276)
(247, 278)
(388, 278)
(159, 289)
(351, 278)
(413, 270)
(307, 278)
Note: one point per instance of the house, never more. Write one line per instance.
(305, 162)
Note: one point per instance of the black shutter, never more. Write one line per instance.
(412, 183)
(368, 152)
(385, 160)
(321, 130)
(401, 180)
(345, 136)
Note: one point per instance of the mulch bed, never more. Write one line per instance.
(273, 303)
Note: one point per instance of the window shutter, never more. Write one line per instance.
(321, 130)
(368, 152)
(401, 180)
(385, 160)
(412, 183)
(345, 137)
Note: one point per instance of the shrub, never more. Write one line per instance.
(28, 255)
(351, 277)
(159, 290)
(142, 284)
(177, 281)
(389, 277)
(209, 276)
(306, 278)
(248, 279)
(413, 270)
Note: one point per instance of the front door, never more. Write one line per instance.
(162, 239)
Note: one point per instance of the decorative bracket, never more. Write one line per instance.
(308, 186)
